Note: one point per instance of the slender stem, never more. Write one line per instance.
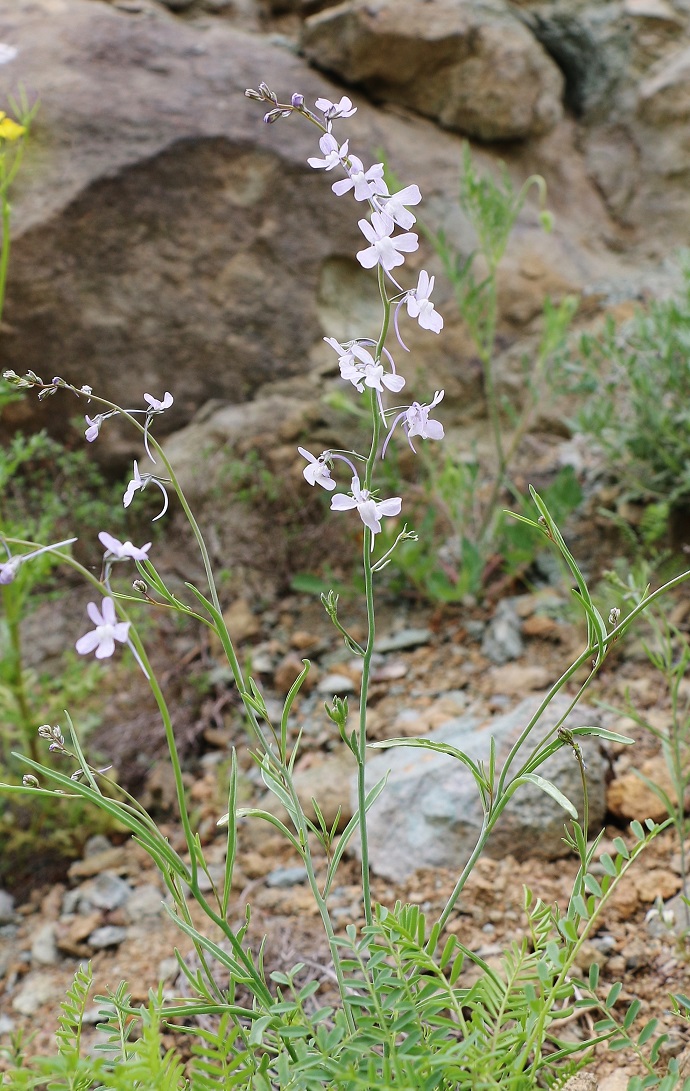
(5, 246)
(16, 671)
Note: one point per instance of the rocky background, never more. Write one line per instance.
(165, 238)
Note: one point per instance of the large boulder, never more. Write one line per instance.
(429, 813)
(166, 239)
(470, 65)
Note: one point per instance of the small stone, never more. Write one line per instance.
(616, 1081)
(288, 670)
(539, 625)
(110, 935)
(241, 621)
(96, 844)
(107, 891)
(502, 640)
(6, 908)
(287, 876)
(629, 797)
(70, 934)
(146, 901)
(108, 858)
(517, 679)
(581, 1081)
(43, 946)
(656, 883)
(404, 638)
(336, 685)
(36, 990)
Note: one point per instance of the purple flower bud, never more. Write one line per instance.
(272, 116)
(297, 101)
(267, 93)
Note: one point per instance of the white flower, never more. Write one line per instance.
(101, 640)
(94, 428)
(394, 206)
(139, 482)
(384, 250)
(333, 110)
(317, 472)
(123, 549)
(366, 184)
(415, 422)
(156, 406)
(333, 155)
(10, 567)
(370, 510)
(419, 305)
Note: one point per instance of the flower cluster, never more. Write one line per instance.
(364, 362)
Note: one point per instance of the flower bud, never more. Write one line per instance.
(297, 101)
(30, 781)
(267, 93)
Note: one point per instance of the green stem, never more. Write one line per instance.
(16, 672)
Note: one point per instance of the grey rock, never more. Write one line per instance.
(36, 990)
(336, 685)
(502, 639)
(106, 891)
(404, 638)
(429, 813)
(471, 65)
(146, 901)
(43, 946)
(96, 844)
(7, 915)
(109, 935)
(286, 876)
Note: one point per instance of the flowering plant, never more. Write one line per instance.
(403, 1017)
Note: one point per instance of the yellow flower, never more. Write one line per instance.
(9, 129)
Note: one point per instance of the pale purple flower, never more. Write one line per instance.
(419, 305)
(333, 110)
(366, 184)
(370, 510)
(316, 472)
(115, 548)
(395, 206)
(156, 406)
(139, 482)
(333, 154)
(384, 250)
(10, 567)
(364, 370)
(101, 640)
(94, 427)
(415, 422)
(9, 52)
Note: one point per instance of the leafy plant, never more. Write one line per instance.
(634, 379)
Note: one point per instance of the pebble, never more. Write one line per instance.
(43, 946)
(405, 638)
(6, 908)
(36, 990)
(336, 685)
(502, 640)
(286, 876)
(106, 891)
(146, 901)
(109, 935)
